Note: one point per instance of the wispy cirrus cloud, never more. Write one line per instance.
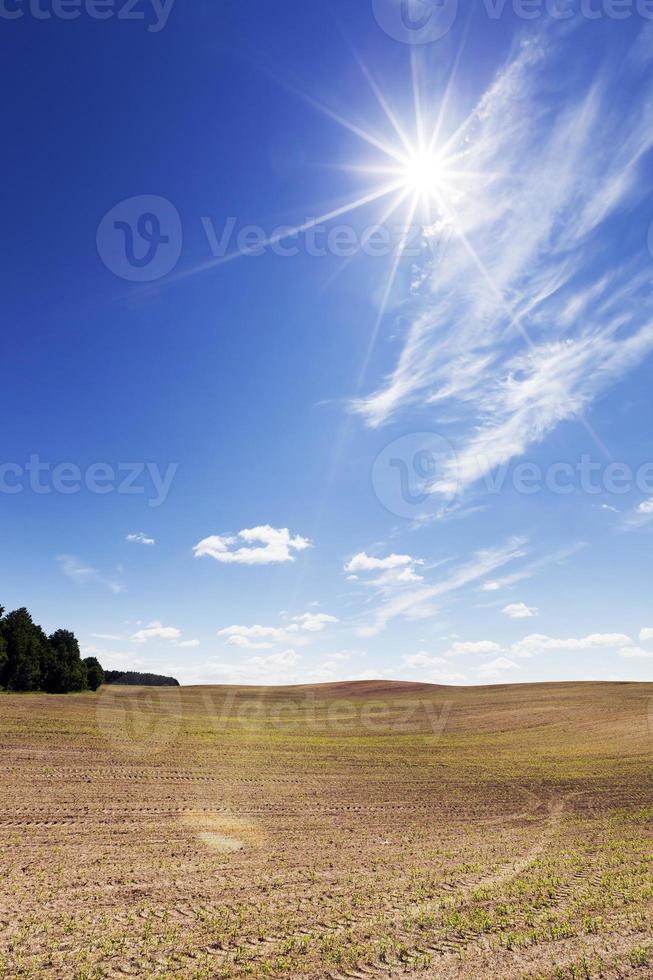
(408, 601)
(531, 568)
(82, 573)
(540, 643)
(526, 318)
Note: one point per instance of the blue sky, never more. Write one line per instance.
(418, 444)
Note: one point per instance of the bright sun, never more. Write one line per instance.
(423, 173)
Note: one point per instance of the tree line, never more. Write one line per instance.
(30, 660)
(136, 677)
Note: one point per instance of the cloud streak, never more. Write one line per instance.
(525, 319)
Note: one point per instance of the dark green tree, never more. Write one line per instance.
(4, 658)
(94, 673)
(24, 642)
(32, 661)
(70, 671)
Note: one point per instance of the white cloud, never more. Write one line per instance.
(525, 318)
(519, 610)
(461, 648)
(264, 545)
(287, 658)
(635, 652)
(314, 622)
(189, 643)
(646, 634)
(395, 571)
(539, 643)
(363, 562)
(156, 631)
(496, 667)
(257, 637)
(640, 516)
(140, 538)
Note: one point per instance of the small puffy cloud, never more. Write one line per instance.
(257, 637)
(363, 562)
(263, 545)
(393, 574)
(189, 643)
(519, 610)
(156, 631)
(539, 643)
(140, 538)
(633, 652)
(460, 648)
(495, 667)
(640, 516)
(314, 622)
(646, 634)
